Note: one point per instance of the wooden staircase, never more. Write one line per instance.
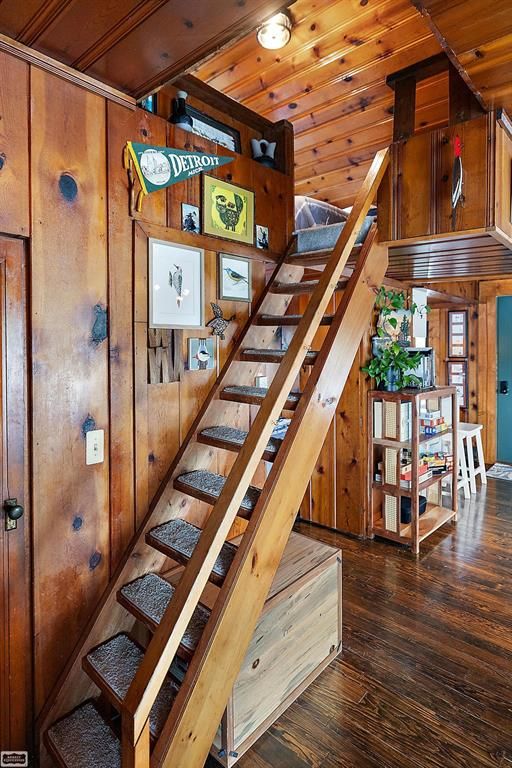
(169, 718)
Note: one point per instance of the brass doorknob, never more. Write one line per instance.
(13, 510)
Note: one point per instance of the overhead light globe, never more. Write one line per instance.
(276, 32)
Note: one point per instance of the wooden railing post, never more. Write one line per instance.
(135, 750)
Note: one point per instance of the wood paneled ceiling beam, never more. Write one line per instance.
(62, 70)
(228, 36)
(420, 6)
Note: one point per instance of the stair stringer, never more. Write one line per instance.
(110, 618)
(190, 730)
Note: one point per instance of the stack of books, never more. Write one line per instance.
(439, 462)
(432, 424)
(425, 473)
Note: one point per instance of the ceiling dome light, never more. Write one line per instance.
(276, 32)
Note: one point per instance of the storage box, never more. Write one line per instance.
(298, 634)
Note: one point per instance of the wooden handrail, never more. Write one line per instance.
(190, 729)
(164, 644)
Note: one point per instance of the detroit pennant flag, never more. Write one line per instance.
(159, 167)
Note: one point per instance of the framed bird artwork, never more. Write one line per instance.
(228, 210)
(176, 285)
(234, 278)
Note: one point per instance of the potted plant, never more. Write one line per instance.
(395, 307)
(391, 361)
(389, 367)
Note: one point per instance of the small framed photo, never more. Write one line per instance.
(228, 210)
(190, 218)
(176, 285)
(458, 378)
(458, 333)
(201, 354)
(234, 278)
(261, 237)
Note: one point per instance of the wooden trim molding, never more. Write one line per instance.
(487, 361)
(208, 242)
(42, 61)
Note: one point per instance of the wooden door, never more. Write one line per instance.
(15, 554)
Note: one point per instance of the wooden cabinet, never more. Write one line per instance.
(415, 202)
(298, 634)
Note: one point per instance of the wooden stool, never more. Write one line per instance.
(466, 433)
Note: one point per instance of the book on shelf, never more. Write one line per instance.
(433, 431)
(407, 484)
(424, 414)
(427, 422)
(377, 419)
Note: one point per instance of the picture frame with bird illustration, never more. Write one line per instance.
(228, 210)
(176, 285)
(234, 278)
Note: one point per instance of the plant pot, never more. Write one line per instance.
(392, 383)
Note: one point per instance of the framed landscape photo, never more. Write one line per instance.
(458, 333)
(228, 210)
(234, 278)
(176, 285)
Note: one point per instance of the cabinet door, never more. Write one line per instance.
(475, 210)
(414, 198)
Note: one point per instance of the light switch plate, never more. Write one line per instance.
(95, 446)
(261, 381)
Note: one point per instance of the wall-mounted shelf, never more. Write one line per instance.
(398, 449)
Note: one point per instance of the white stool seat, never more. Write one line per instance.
(468, 471)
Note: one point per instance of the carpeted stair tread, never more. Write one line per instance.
(84, 739)
(255, 396)
(178, 539)
(273, 355)
(148, 597)
(306, 286)
(207, 486)
(233, 439)
(280, 320)
(324, 237)
(114, 664)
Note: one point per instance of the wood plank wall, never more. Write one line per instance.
(336, 496)
(63, 182)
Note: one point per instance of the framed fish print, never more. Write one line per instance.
(228, 210)
(176, 285)
(234, 278)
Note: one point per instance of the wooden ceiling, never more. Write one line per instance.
(329, 81)
(133, 45)
(478, 35)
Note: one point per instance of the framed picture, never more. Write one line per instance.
(228, 210)
(201, 354)
(213, 130)
(261, 237)
(234, 278)
(458, 378)
(458, 333)
(176, 285)
(190, 218)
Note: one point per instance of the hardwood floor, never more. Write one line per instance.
(425, 677)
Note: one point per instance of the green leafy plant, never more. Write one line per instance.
(395, 358)
(389, 301)
(392, 361)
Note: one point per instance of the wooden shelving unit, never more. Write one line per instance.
(401, 432)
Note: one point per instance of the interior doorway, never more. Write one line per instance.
(504, 377)
(15, 550)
